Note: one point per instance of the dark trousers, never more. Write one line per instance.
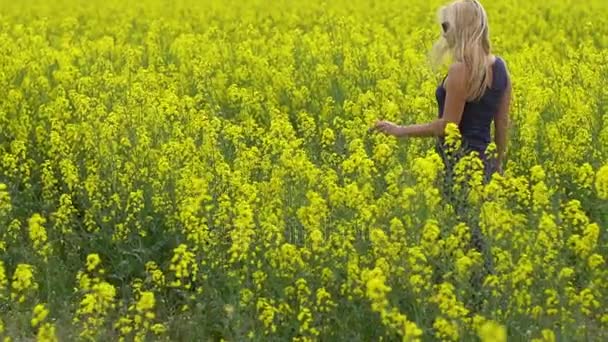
(469, 214)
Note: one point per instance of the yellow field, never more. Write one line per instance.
(201, 170)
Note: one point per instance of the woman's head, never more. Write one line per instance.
(466, 36)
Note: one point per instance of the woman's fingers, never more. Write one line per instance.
(381, 126)
(375, 127)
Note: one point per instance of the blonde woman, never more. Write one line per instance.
(476, 90)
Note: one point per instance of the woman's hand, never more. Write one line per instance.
(387, 127)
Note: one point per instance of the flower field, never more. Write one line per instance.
(194, 171)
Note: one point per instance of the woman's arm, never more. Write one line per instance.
(501, 125)
(452, 112)
(418, 130)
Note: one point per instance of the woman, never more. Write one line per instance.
(476, 90)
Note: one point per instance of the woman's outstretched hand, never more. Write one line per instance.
(386, 127)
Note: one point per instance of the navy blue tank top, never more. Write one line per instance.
(477, 116)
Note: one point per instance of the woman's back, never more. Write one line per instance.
(475, 125)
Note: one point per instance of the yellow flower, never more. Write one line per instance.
(446, 330)
(64, 214)
(491, 331)
(316, 238)
(547, 335)
(448, 304)
(584, 245)
(376, 289)
(146, 301)
(426, 169)
(463, 266)
(523, 272)
(541, 196)
(537, 173)
(323, 300)
(23, 282)
(430, 240)
(601, 182)
(314, 215)
(184, 267)
(378, 238)
(566, 273)
(139, 320)
(155, 274)
(124, 325)
(95, 305)
(382, 153)
(574, 214)
(158, 329)
(243, 231)
(328, 137)
(587, 301)
(457, 240)
(93, 261)
(246, 297)
(584, 176)
(5, 201)
(327, 275)
(306, 320)
(452, 137)
(267, 314)
(595, 260)
(39, 315)
(3, 280)
(37, 234)
(47, 333)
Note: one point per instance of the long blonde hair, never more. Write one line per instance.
(467, 40)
